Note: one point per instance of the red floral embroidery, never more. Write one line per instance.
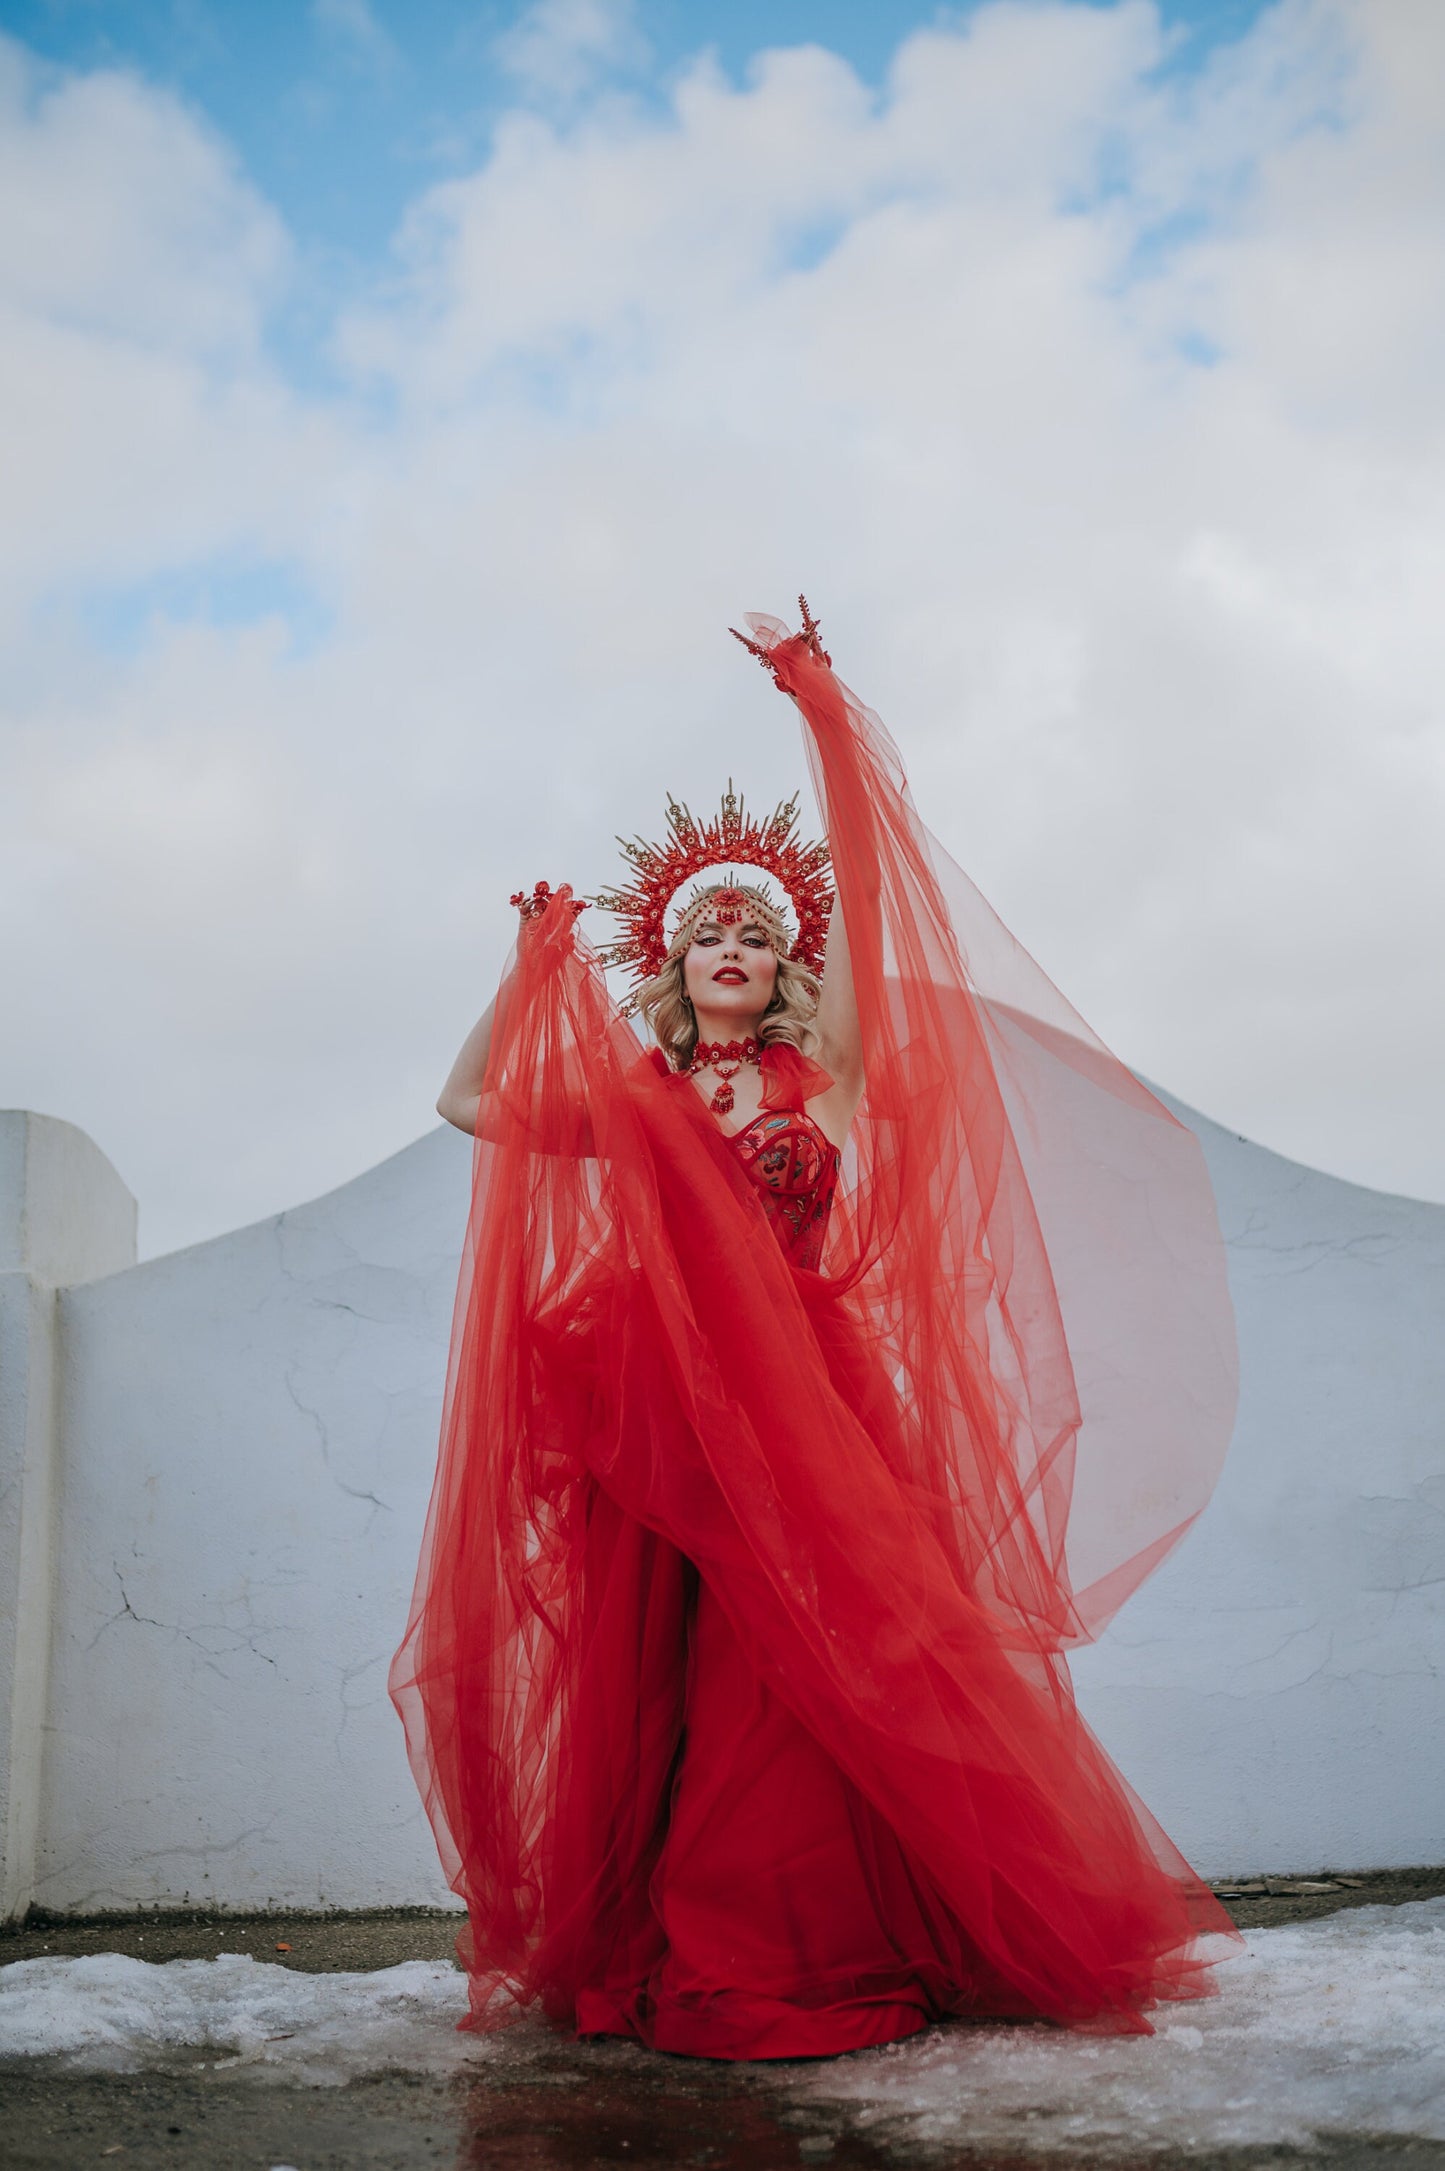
(795, 1170)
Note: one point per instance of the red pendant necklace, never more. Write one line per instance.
(712, 1055)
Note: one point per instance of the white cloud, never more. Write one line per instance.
(1161, 640)
(121, 214)
(557, 48)
(140, 423)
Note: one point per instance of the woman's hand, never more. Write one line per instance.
(543, 898)
(767, 651)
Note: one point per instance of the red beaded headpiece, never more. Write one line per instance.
(661, 869)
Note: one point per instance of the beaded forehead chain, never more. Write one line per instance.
(660, 870)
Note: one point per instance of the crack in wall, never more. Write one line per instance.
(243, 1639)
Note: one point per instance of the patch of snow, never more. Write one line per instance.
(111, 2013)
(1335, 2026)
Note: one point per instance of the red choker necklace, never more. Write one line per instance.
(712, 1055)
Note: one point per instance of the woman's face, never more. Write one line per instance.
(730, 972)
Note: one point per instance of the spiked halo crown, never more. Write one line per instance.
(660, 870)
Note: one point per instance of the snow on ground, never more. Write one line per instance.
(1336, 2026)
(109, 2013)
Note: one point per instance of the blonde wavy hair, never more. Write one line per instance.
(664, 1006)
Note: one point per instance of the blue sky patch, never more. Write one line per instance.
(343, 111)
(221, 591)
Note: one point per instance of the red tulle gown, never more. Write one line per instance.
(773, 1492)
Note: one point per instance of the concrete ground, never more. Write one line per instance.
(571, 2107)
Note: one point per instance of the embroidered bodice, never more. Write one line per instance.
(792, 1165)
(794, 1168)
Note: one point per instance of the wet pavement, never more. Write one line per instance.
(579, 2116)
(577, 2113)
(538, 2102)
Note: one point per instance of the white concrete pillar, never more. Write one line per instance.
(65, 1216)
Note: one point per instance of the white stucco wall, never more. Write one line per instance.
(247, 1438)
(250, 1428)
(65, 1216)
(1277, 1690)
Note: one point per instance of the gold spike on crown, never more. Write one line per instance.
(660, 870)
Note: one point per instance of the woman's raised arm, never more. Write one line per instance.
(461, 1096)
(839, 1026)
(840, 1036)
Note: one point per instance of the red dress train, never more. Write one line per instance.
(772, 1494)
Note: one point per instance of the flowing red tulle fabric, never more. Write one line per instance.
(735, 1681)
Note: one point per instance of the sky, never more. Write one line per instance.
(398, 404)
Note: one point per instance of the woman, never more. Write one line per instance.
(817, 1380)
